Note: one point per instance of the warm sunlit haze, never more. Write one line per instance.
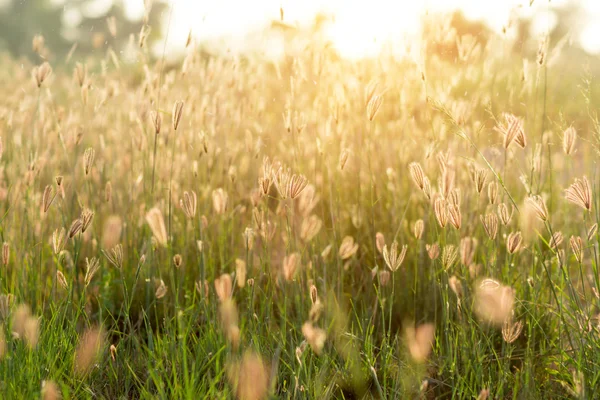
(359, 28)
(299, 199)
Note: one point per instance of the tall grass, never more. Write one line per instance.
(305, 228)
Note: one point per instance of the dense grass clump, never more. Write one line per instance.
(307, 228)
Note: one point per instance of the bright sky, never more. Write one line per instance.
(361, 27)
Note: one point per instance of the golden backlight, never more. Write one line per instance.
(359, 28)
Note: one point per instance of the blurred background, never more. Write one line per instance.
(270, 28)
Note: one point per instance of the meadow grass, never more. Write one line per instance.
(311, 227)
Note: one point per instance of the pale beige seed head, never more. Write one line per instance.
(240, 272)
(177, 260)
(250, 377)
(220, 200)
(48, 197)
(314, 336)
(88, 160)
(479, 178)
(113, 352)
(379, 241)
(468, 247)
(223, 287)
(88, 350)
(504, 214)
(454, 215)
(569, 140)
(50, 391)
(86, 218)
(418, 228)
(347, 248)
(456, 286)
(493, 302)
(440, 208)
(344, 154)
(433, 250)
(290, 265)
(511, 330)
(189, 204)
(420, 341)
(161, 290)
(373, 106)
(228, 315)
(156, 121)
(176, 114)
(314, 294)
(32, 332)
(155, 220)
(556, 240)
(577, 248)
(449, 256)
(580, 193)
(5, 253)
(513, 242)
(115, 255)
(310, 228)
(538, 205)
(41, 73)
(417, 174)
(592, 232)
(513, 130)
(483, 395)
(37, 44)
(249, 236)
(61, 280)
(394, 258)
(493, 192)
(91, 267)
(490, 225)
(75, 228)
(59, 238)
(19, 319)
(384, 277)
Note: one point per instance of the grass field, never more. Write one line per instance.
(316, 228)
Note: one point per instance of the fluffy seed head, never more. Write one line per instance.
(513, 242)
(569, 140)
(348, 248)
(155, 220)
(392, 257)
(580, 193)
(176, 115)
